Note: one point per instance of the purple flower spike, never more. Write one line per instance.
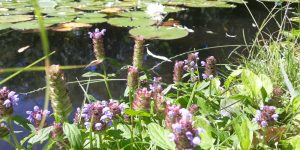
(35, 116)
(8, 99)
(266, 115)
(97, 34)
(196, 141)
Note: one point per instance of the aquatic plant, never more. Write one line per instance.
(156, 12)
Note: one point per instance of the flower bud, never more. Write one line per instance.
(178, 71)
(133, 78)
(138, 52)
(142, 100)
(60, 100)
(4, 131)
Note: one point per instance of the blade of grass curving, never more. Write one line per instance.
(25, 68)
(38, 68)
(288, 83)
(45, 46)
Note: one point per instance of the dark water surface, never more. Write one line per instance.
(75, 48)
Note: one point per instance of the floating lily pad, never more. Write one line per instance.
(172, 9)
(130, 22)
(91, 20)
(92, 15)
(163, 33)
(63, 13)
(112, 10)
(134, 14)
(28, 25)
(70, 26)
(56, 20)
(4, 26)
(15, 18)
(47, 3)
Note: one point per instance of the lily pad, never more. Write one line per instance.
(70, 26)
(56, 20)
(4, 26)
(130, 22)
(27, 25)
(162, 33)
(63, 13)
(93, 15)
(91, 20)
(134, 14)
(15, 18)
(172, 9)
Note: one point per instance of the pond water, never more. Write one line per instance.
(75, 48)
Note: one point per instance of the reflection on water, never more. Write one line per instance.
(74, 48)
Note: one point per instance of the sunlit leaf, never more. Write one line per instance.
(160, 136)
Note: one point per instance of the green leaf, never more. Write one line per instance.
(15, 18)
(21, 122)
(27, 25)
(131, 112)
(130, 22)
(252, 82)
(159, 136)
(90, 20)
(296, 103)
(293, 143)
(267, 84)
(207, 141)
(231, 77)
(74, 136)
(4, 26)
(134, 14)
(41, 136)
(92, 74)
(242, 127)
(162, 33)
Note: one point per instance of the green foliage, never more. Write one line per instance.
(74, 135)
(159, 136)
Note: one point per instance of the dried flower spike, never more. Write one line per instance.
(142, 100)
(133, 78)
(138, 52)
(266, 115)
(97, 37)
(178, 71)
(8, 99)
(210, 68)
(35, 116)
(60, 100)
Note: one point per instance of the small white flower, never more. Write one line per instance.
(155, 11)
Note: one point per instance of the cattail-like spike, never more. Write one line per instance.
(138, 52)
(60, 100)
(133, 78)
(98, 45)
(142, 100)
(178, 71)
(8, 99)
(210, 68)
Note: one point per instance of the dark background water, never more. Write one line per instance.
(75, 48)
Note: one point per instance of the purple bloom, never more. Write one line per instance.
(203, 63)
(196, 140)
(189, 135)
(176, 127)
(266, 115)
(191, 62)
(36, 115)
(98, 126)
(97, 34)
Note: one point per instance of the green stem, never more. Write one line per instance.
(131, 118)
(105, 81)
(18, 145)
(192, 96)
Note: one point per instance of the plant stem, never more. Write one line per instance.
(192, 96)
(131, 118)
(18, 145)
(105, 81)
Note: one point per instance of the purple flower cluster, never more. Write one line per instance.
(99, 115)
(266, 115)
(142, 99)
(157, 94)
(210, 67)
(190, 64)
(181, 124)
(10, 98)
(178, 71)
(35, 116)
(97, 34)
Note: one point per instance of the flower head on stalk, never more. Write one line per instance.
(57, 134)
(266, 115)
(183, 133)
(99, 115)
(35, 116)
(97, 34)
(190, 64)
(178, 71)
(8, 99)
(4, 130)
(133, 77)
(142, 99)
(210, 67)
(157, 94)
